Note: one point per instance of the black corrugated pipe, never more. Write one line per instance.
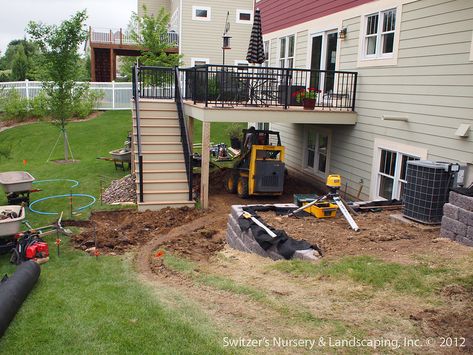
(14, 290)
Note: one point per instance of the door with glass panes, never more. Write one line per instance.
(392, 174)
(317, 151)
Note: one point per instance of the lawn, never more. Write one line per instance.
(31, 145)
(82, 304)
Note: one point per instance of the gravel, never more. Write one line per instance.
(122, 190)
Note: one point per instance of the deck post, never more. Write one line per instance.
(204, 171)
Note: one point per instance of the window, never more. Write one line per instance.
(266, 53)
(199, 61)
(244, 16)
(286, 51)
(201, 13)
(316, 154)
(392, 173)
(380, 30)
(262, 126)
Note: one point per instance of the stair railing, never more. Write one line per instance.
(136, 97)
(185, 140)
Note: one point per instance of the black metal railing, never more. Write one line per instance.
(184, 131)
(163, 83)
(227, 85)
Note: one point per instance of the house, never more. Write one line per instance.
(395, 81)
(200, 26)
(414, 97)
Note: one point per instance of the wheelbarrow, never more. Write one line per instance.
(11, 218)
(17, 185)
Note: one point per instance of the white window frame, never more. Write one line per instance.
(241, 11)
(379, 59)
(378, 35)
(267, 53)
(314, 170)
(193, 60)
(197, 18)
(399, 148)
(260, 125)
(241, 62)
(471, 47)
(286, 57)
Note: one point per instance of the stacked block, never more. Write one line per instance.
(457, 220)
(245, 241)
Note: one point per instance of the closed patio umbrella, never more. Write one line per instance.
(256, 48)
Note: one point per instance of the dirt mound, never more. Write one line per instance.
(198, 245)
(119, 231)
(379, 236)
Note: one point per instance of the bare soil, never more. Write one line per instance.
(118, 231)
(293, 306)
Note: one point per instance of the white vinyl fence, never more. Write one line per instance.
(117, 96)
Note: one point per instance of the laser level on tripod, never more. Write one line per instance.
(334, 182)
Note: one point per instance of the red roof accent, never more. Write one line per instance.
(280, 14)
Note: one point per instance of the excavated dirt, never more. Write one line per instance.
(379, 236)
(118, 231)
(198, 245)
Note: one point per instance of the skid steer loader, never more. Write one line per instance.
(260, 168)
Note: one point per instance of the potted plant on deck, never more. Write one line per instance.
(307, 97)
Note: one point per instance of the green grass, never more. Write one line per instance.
(221, 283)
(416, 279)
(84, 305)
(218, 131)
(89, 140)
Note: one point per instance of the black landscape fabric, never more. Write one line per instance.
(285, 245)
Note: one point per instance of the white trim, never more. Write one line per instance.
(378, 59)
(180, 28)
(471, 47)
(286, 51)
(196, 18)
(402, 148)
(193, 60)
(241, 62)
(314, 171)
(247, 22)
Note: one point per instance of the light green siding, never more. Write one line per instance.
(431, 84)
(203, 39)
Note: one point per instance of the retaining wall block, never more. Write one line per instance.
(308, 254)
(452, 198)
(447, 234)
(454, 226)
(466, 217)
(469, 233)
(451, 211)
(465, 241)
(462, 201)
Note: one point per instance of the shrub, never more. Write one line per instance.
(86, 103)
(15, 106)
(39, 106)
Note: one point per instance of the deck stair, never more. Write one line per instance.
(165, 181)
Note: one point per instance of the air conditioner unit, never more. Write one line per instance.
(426, 190)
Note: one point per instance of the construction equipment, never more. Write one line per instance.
(248, 215)
(333, 183)
(259, 170)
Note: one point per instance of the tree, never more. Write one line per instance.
(15, 51)
(151, 34)
(61, 64)
(19, 68)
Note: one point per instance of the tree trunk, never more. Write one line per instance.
(66, 145)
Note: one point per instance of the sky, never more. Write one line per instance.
(15, 14)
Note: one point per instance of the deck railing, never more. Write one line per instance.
(229, 86)
(123, 37)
